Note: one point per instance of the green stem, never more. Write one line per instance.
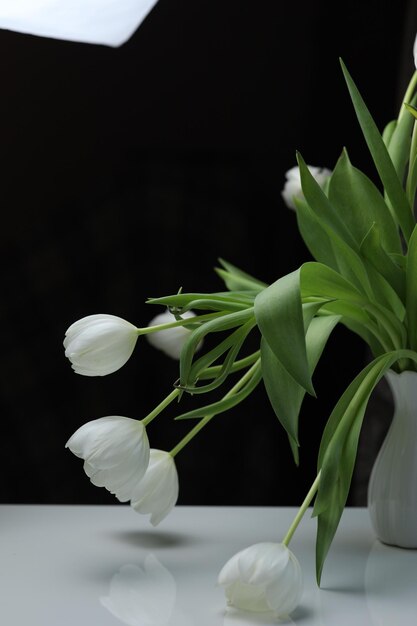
(413, 152)
(408, 94)
(205, 420)
(184, 322)
(158, 409)
(302, 510)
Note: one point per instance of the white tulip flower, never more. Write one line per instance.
(107, 22)
(170, 340)
(116, 453)
(98, 345)
(157, 493)
(292, 188)
(264, 577)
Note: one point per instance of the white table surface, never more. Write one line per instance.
(106, 565)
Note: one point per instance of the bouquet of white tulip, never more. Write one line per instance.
(364, 242)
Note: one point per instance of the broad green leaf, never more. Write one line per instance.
(319, 280)
(310, 310)
(314, 235)
(356, 318)
(360, 205)
(344, 246)
(399, 204)
(286, 396)
(279, 316)
(236, 279)
(411, 282)
(400, 260)
(374, 253)
(321, 205)
(389, 323)
(338, 448)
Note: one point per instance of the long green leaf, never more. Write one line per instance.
(218, 301)
(345, 248)
(357, 319)
(314, 235)
(322, 206)
(232, 345)
(286, 396)
(361, 205)
(279, 316)
(226, 322)
(375, 255)
(399, 204)
(338, 449)
(322, 281)
(411, 298)
(236, 279)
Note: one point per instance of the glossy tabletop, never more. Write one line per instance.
(106, 566)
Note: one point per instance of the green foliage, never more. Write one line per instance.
(362, 236)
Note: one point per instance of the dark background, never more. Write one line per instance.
(126, 173)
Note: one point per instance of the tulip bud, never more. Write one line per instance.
(157, 492)
(116, 453)
(292, 188)
(98, 345)
(170, 340)
(263, 577)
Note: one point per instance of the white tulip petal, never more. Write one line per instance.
(259, 564)
(116, 453)
(284, 595)
(263, 577)
(91, 21)
(171, 340)
(120, 479)
(230, 571)
(157, 493)
(98, 345)
(247, 597)
(101, 442)
(292, 188)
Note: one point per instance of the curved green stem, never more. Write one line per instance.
(215, 370)
(205, 420)
(410, 183)
(408, 94)
(303, 508)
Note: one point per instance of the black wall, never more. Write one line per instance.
(125, 173)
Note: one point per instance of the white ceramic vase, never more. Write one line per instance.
(392, 490)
